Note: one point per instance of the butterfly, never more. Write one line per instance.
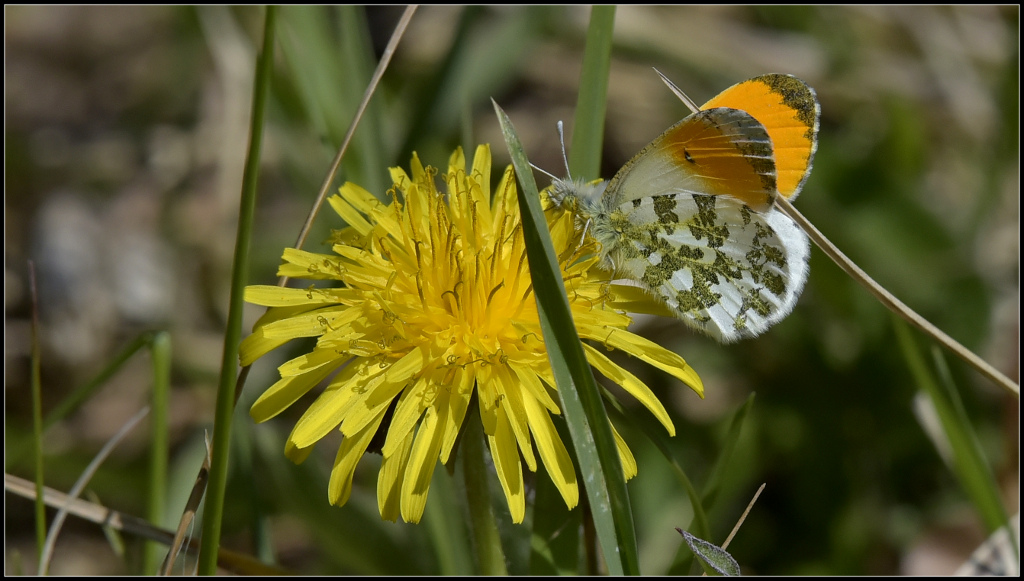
(692, 217)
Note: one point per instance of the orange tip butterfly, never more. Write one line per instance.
(691, 218)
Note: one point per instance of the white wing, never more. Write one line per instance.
(722, 268)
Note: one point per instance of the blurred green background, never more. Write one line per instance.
(125, 134)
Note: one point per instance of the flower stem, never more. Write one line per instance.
(217, 484)
(485, 530)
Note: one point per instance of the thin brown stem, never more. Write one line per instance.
(742, 518)
(189, 514)
(382, 66)
(894, 304)
(80, 484)
(235, 562)
(199, 488)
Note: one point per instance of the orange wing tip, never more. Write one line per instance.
(789, 111)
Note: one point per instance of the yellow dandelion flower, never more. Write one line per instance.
(436, 301)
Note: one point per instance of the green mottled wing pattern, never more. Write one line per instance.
(691, 219)
(722, 268)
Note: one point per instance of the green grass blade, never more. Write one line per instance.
(714, 482)
(968, 462)
(239, 278)
(985, 484)
(158, 445)
(484, 57)
(657, 436)
(652, 429)
(706, 502)
(37, 415)
(430, 95)
(581, 402)
(588, 125)
(159, 344)
(307, 37)
(330, 90)
(80, 394)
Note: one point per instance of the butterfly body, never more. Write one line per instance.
(691, 218)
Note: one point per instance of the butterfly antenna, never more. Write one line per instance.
(678, 92)
(561, 139)
(544, 171)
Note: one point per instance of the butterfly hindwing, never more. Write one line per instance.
(692, 217)
(718, 265)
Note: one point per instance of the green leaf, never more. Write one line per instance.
(714, 482)
(714, 559)
(581, 402)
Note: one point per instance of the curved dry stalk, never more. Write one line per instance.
(742, 518)
(189, 514)
(883, 296)
(235, 562)
(382, 66)
(678, 92)
(80, 484)
(894, 304)
(199, 488)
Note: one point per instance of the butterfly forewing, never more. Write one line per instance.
(789, 111)
(691, 218)
(718, 151)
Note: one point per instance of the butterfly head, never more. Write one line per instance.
(576, 196)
